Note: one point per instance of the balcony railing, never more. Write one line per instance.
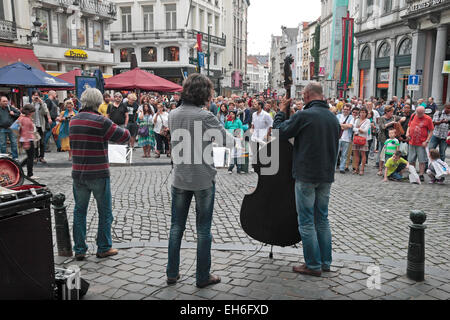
(8, 30)
(94, 7)
(166, 34)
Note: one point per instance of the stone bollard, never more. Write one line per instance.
(62, 226)
(415, 269)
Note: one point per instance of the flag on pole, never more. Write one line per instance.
(347, 52)
(199, 42)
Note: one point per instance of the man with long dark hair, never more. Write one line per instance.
(192, 130)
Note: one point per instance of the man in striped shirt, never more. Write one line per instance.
(89, 136)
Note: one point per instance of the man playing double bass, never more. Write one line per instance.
(316, 131)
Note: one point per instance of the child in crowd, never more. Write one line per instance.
(391, 145)
(236, 152)
(437, 168)
(394, 167)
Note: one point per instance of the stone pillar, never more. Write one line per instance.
(392, 69)
(418, 57)
(373, 73)
(439, 57)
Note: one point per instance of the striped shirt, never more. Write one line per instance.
(190, 137)
(89, 136)
(391, 146)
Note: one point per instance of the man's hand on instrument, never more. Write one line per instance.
(285, 105)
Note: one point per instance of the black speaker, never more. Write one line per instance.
(27, 269)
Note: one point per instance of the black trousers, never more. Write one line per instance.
(40, 150)
(162, 145)
(29, 160)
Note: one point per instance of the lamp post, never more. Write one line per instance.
(209, 46)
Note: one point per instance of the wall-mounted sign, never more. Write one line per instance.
(422, 5)
(446, 67)
(76, 53)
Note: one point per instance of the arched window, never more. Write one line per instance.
(172, 54)
(384, 51)
(365, 54)
(149, 54)
(405, 47)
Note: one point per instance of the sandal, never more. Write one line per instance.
(212, 280)
(380, 173)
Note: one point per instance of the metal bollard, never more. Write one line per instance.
(415, 269)
(62, 226)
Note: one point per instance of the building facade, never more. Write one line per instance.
(73, 35)
(325, 70)
(163, 36)
(258, 73)
(402, 38)
(235, 22)
(275, 63)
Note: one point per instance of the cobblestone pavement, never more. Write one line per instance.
(369, 221)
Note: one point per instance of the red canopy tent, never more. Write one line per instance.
(70, 76)
(138, 79)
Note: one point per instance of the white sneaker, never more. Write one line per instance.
(230, 172)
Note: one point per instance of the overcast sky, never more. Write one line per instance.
(265, 17)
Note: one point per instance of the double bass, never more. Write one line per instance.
(269, 214)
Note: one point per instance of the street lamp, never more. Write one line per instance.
(209, 46)
(35, 33)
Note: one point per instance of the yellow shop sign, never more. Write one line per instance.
(76, 53)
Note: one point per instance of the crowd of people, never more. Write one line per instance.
(371, 128)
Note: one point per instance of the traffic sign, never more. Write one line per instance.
(413, 87)
(413, 79)
(201, 59)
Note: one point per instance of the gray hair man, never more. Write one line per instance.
(89, 136)
(316, 131)
(419, 133)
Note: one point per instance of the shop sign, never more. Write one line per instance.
(422, 5)
(76, 53)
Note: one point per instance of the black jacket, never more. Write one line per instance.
(316, 131)
(6, 120)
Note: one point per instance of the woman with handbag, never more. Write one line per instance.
(64, 120)
(146, 135)
(360, 141)
(161, 123)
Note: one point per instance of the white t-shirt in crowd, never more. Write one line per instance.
(261, 122)
(161, 120)
(347, 134)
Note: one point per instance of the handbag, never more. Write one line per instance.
(404, 148)
(143, 131)
(358, 140)
(398, 129)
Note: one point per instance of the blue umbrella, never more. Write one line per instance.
(23, 75)
(100, 81)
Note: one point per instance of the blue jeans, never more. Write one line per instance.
(343, 148)
(312, 207)
(12, 139)
(181, 200)
(434, 142)
(101, 189)
(49, 134)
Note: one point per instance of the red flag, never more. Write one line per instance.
(199, 42)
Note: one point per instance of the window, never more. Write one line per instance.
(384, 51)
(126, 19)
(149, 54)
(172, 54)
(98, 35)
(44, 18)
(148, 18)
(82, 34)
(64, 30)
(50, 66)
(387, 6)
(405, 47)
(2, 11)
(369, 8)
(215, 58)
(171, 16)
(365, 55)
(125, 54)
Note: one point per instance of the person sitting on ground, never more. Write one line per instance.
(391, 145)
(394, 167)
(437, 163)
